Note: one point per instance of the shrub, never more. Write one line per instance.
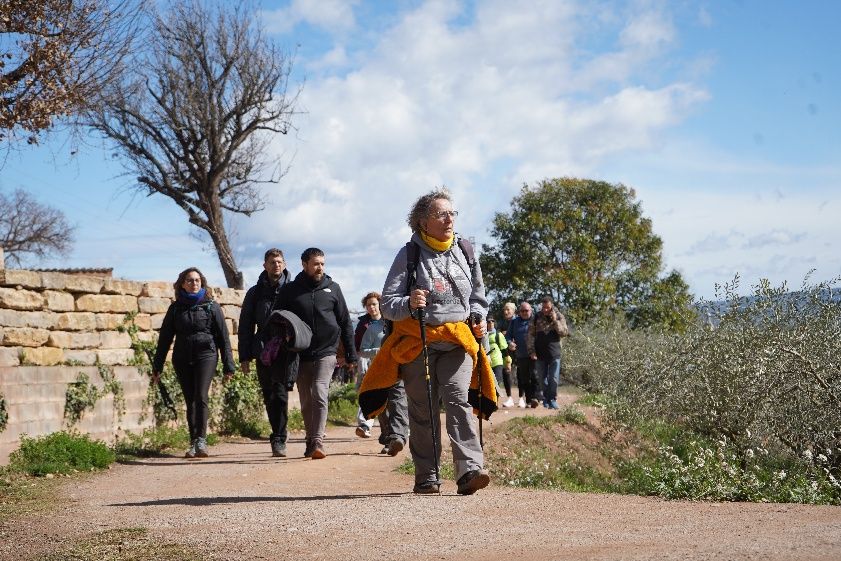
(342, 404)
(152, 441)
(241, 410)
(60, 453)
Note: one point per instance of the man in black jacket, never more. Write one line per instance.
(254, 333)
(318, 301)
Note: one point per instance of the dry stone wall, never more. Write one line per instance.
(54, 326)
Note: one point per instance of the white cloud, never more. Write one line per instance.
(334, 16)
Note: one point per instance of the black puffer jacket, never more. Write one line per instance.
(199, 331)
(256, 307)
(322, 306)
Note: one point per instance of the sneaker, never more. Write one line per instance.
(508, 402)
(278, 448)
(384, 450)
(201, 447)
(191, 451)
(394, 447)
(472, 481)
(545, 404)
(522, 403)
(533, 403)
(363, 432)
(426, 488)
(553, 404)
(318, 452)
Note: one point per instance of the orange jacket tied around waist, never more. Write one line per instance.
(404, 345)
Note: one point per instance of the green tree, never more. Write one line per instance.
(586, 244)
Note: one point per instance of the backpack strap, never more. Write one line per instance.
(469, 254)
(412, 260)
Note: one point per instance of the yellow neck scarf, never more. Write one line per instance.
(435, 244)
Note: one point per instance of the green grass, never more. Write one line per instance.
(60, 453)
(126, 544)
(342, 405)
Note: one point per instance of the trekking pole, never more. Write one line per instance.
(422, 322)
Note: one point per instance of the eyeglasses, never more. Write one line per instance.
(192, 281)
(442, 214)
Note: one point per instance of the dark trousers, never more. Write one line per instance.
(194, 380)
(506, 380)
(275, 397)
(527, 379)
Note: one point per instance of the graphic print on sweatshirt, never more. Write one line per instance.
(445, 275)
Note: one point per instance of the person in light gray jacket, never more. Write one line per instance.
(440, 279)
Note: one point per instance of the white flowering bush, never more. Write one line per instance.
(757, 373)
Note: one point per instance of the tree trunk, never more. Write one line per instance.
(217, 233)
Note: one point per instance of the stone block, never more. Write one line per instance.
(109, 322)
(157, 290)
(106, 303)
(24, 336)
(59, 301)
(19, 277)
(43, 356)
(80, 356)
(230, 311)
(114, 340)
(229, 323)
(149, 305)
(53, 281)
(74, 340)
(156, 321)
(147, 336)
(14, 318)
(76, 321)
(9, 356)
(143, 322)
(115, 356)
(120, 286)
(20, 299)
(228, 296)
(82, 284)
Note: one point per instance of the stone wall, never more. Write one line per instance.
(54, 326)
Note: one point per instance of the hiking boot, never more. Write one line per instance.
(472, 481)
(363, 432)
(278, 448)
(201, 447)
(394, 447)
(508, 402)
(426, 488)
(191, 451)
(318, 452)
(522, 403)
(533, 403)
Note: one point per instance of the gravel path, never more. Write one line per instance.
(242, 504)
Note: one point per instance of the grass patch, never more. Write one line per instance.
(22, 494)
(157, 441)
(126, 544)
(60, 453)
(342, 405)
(295, 420)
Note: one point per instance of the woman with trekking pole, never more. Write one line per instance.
(435, 298)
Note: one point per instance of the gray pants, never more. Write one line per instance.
(450, 373)
(313, 388)
(394, 420)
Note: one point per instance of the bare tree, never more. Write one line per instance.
(193, 121)
(56, 56)
(27, 226)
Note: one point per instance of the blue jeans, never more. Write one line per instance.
(549, 373)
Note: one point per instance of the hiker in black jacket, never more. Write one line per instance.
(318, 301)
(196, 323)
(254, 333)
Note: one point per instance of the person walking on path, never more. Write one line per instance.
(394, 420)
(318, 301)
(498, 345)
(436, 271)
(509, 369)
(196, 323)
(544, 343)
(254, 333)
(517, 336)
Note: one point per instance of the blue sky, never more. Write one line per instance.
(723, 116)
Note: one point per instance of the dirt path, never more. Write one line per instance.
(242, 504)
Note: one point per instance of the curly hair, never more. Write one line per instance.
(420, 210)
(370, 295)
(183, 275)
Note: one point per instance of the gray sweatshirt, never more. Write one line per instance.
(453, 294)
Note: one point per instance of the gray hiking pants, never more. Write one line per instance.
(313, 387)
(450, 373)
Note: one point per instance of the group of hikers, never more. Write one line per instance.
(425, 341)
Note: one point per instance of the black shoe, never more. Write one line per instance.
(533, 403)
(309, 448)
(384, 450)
(426, 488)
(472, 481)
(278, 448)
(394, 447)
